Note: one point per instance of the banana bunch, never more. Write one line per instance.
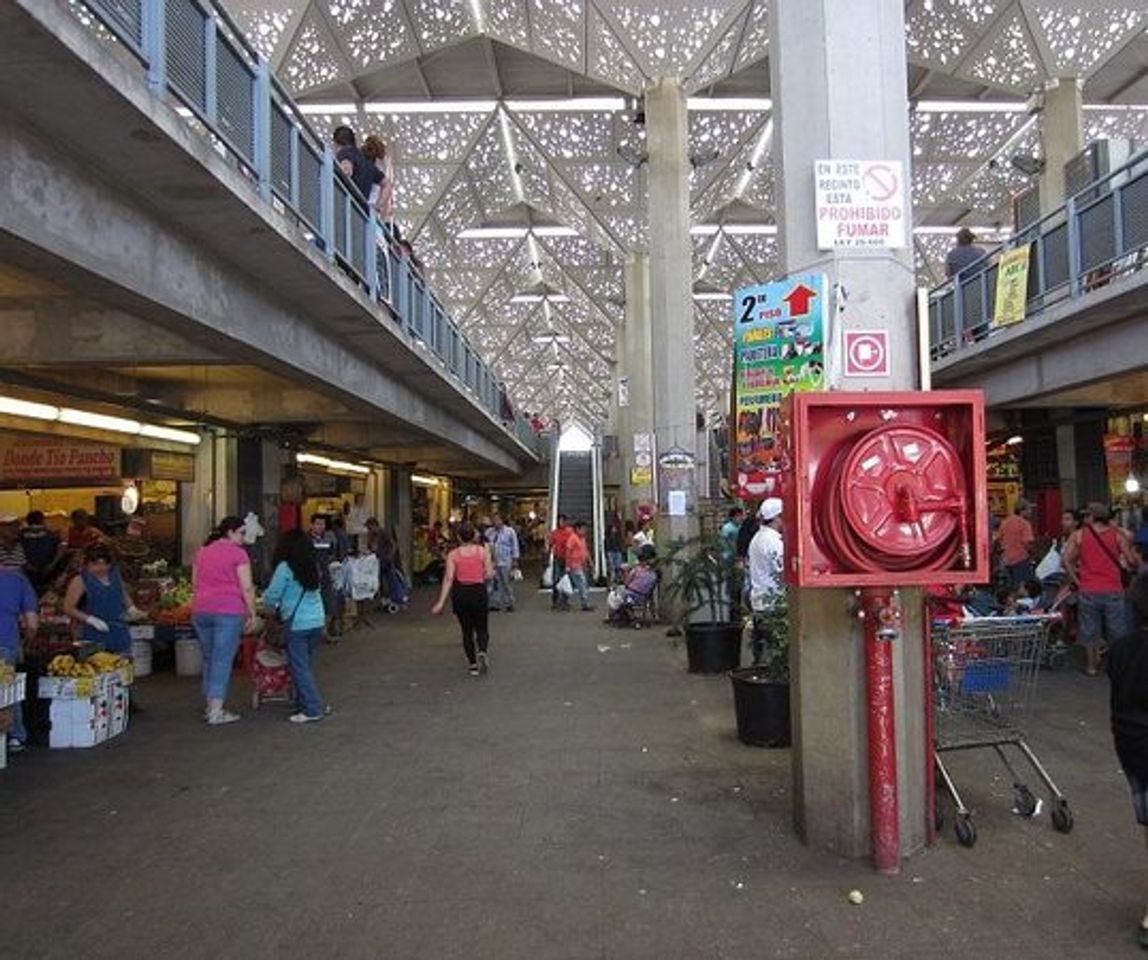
(106, 662)
(65, 665)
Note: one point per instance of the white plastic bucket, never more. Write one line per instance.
(141, 657)
(188, 657)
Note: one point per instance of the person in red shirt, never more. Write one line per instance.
(577, 562)
(1097, 556)
(558, 560)
(1016, 538)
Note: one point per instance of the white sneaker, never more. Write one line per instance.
(483, 662)
(222, 717)
(303, 718)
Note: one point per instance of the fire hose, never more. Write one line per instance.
(894, 499)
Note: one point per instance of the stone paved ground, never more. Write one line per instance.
(579, 802)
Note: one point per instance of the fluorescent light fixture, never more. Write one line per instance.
(419, 480)
(949, 231)
(712, 295)
(98, 421)
(714, 104)
(528, 298)
(169, 433)
(326, 109)
(750, 229)
(26, 408)
(554, 231)
(573, 104)
(15, 407)
(429, 106)
(1131, 485)
(320, 461)
(704, 229)
(1014, 440)
(971, 106)
(492, 233)
(552, 338)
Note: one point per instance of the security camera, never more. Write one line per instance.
(1027, 164)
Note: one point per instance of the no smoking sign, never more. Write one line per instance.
(866, 353)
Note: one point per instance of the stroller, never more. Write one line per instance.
(398, 595)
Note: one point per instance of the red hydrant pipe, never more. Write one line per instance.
(881, 628)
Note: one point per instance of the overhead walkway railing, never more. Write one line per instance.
(1100, 234)
(193, 50)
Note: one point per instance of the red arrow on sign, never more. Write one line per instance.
(798, 299)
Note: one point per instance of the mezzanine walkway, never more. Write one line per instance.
(579, 802)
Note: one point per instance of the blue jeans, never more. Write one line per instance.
(17, 731)
(301, 646)
(500, 587)
(614, 565)
(580, 588)
(219, 635)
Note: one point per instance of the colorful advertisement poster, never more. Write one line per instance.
(1012, 287)
(778, 348)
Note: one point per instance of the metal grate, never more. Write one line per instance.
(123, 17)
(341, 201)
(235, 98)
(310, 175)
(186, 51)
(1135, 199)
(281, 153)
(1097, 234)
(972, 302)
(358, 241)
(1055, 246)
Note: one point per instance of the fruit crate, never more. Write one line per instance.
(12, 691)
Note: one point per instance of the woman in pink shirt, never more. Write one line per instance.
(223, 606)
(468, 568)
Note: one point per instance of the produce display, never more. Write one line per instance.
(67, 665)
(174, 603)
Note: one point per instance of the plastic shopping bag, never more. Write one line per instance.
(548, 576)
(565, 587)
(1050, 566)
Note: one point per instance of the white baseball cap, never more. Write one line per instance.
(770, 509)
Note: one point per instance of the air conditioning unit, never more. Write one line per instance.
(1094, 163)
(1026, 208)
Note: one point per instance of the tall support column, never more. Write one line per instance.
(819, 49)
(1062, 138)
(399, 516)
(671, 292)
(636, 371)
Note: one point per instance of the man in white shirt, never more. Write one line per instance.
(765, 561)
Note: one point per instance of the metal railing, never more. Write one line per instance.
(192, 50)
(1100, 234)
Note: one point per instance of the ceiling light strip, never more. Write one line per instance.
(15, 407)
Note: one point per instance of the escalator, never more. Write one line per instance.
(575, 490)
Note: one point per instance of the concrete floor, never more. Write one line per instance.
(588, 799)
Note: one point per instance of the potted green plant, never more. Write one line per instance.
(700, 577)
(761, 691)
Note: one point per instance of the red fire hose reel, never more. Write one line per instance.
(888, 488)
(894, 499)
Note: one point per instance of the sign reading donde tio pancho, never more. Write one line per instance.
(860, 203)
(52, 461)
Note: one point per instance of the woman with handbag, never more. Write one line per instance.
(1099, 556)
(295, 595)
(468, 569)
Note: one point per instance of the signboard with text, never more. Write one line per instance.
(778, 348)
(1012, 287)
(860, 203)
(53, 462)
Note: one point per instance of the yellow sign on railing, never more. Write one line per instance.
(1012, 287)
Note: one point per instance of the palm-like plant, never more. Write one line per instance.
(701, 573)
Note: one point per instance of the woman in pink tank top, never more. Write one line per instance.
(1095, 556)
(468, 568)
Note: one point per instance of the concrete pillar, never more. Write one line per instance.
(821, 112)
(1062, 138)
(1066, 465)
(398, 503)
(671, 288)
(636, 371)
(212, 496)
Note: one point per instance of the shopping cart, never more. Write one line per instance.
(984, 678)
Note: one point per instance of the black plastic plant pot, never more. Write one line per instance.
(713, 647)
(762, 707)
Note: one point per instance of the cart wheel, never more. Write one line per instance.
(1062, 817)
(1025, 802)
(966, 831)
(393, 608)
